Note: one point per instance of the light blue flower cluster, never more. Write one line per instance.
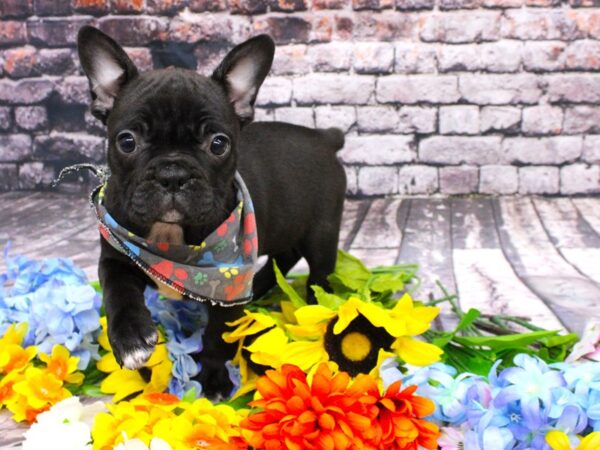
(516, 408)
(56, 301)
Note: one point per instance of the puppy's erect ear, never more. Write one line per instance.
(107, 67)
(243, 71)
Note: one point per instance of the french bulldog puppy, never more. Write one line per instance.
(175, 140)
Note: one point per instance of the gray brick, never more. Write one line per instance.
(298, 116)
(541, 24)
(34, 175)
(275, 91)
(373, 57)
(459, 119)
(31, 118)
(458, 4)
(538, 180)
(334, 89)
(56, 61)
(591, 149)
(378, 150)
(500, 118)
(413, 57)
(414, 4)
(372, 119)
(459, 180)
(8, 177)
(330, 57)
(291, 60)
(580, 179)
(342, 117)
(582, 119)
(351, 180)
(378, 180)
(503, 56)
(461, 26)
(14, 147)
(69, 146)
(502, 3)
(417, 119)
(410, 89)
(552, 150)
(74, 91)
(498, 180)
(543, 55)
(56, 31)
(5, 118)
(417, 180)
(19, 62)
(481, 150)
(542, 119)
(500, 89)
(575, 88)
(25, 91)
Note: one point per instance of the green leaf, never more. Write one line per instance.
(505, 341)
(96, 286)
(387, 282)
(242, 401)
(467, 320)
(555, 341)
(294, 297)
(190, 395)
(92, 391)
(349, 271)
(326, 299)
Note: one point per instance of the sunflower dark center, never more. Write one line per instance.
(356, 348)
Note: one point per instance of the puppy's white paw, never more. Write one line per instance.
(137, 357)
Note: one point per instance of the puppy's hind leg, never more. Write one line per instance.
(320, 250)
(264, 280)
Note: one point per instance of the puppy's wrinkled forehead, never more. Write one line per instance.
(173, 105)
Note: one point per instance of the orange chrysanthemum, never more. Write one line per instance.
(332, 413)
(401, 420)
(295, 415)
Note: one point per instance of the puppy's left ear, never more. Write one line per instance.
(243, 71)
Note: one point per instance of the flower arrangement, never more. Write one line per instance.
(361, 368)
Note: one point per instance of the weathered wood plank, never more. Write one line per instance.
(586, 260)
(571, 296)
(564, 224)
(590, 211)
(486, 281)
(354, 213)
(473, 224)
(426, 241)
(484, 277)
(379, 228)
(373, 257)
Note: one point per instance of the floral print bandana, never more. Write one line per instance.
(219, 270)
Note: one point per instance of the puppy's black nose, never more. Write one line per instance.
(172, 176)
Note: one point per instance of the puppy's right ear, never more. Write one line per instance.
(107, 67)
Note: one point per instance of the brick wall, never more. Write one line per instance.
(450, 96)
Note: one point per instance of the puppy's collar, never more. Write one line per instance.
(219, 270)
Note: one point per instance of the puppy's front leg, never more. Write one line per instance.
(131, 332)
(214, 376)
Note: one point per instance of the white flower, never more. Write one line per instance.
(589, 344)
(137, 444)
(66, 426)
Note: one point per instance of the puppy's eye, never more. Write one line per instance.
(126, 141)
(219, 144)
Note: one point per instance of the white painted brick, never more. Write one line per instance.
(477, 150)
(378, 180)
(342, 117)
(297, 116)
(538, 180)
(333, 88)
(459, 119)
(411, 89)
(498, 180)
(553, 150)
(417, 180)
(373, 57)
(580, 179)
(378, 150)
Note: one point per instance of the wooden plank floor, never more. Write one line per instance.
(536, 257)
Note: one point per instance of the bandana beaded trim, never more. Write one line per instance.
(219, 270)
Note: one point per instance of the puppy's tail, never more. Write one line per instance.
(334, 137)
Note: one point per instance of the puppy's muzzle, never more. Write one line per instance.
(172, 176)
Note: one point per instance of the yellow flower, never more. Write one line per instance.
(41, 388)
(415, 352)
(124, 382)
(122, 418)
(13, 357)
(558, 440)
(62, 365)
(248, 325)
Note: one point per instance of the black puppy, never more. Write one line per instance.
(175, 140)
